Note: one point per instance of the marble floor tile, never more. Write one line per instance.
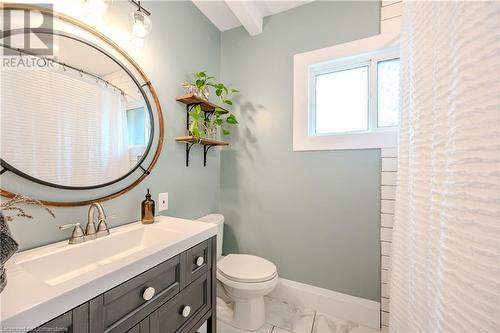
(288, 317)
(364, 329)
(224, 310)
(279, 330)
(222, 327)
(326, 324)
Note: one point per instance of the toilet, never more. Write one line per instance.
(244, 280)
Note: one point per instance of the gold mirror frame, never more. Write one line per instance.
(88, 28)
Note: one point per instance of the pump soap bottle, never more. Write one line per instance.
(148, 210)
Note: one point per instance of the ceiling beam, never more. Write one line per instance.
(249, 14)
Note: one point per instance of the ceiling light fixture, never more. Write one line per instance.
(141, 24)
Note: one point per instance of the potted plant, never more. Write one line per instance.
(200, 85)
(199, 126)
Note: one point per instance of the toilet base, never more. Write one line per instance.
(246, 299)
(249, 314)
(244, 314)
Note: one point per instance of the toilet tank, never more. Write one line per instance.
(219, 220)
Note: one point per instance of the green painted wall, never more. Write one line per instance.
(314, 214)
(168, 60)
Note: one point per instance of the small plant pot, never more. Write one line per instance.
(192, 89)
(212, 134)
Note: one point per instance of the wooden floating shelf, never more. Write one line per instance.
(203, 141)
(206, 105)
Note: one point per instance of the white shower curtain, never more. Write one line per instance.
(446, 251)
(63, 127)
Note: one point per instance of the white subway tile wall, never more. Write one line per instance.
(385, 248)
(387, 220)
(390, 16)
(386, 234)
(389, 178)
(389, 192)
(387, 202)
(389, 164)
(390, 22)
(387, 206)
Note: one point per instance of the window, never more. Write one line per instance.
(136, 127)
(388, 93)
(341, 101)
(347, 96)
(342, 97)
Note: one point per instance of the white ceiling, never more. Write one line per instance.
(228, 14)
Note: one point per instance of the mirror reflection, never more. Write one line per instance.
(77, 121)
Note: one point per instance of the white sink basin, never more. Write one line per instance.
(70, 262)
(45, 282)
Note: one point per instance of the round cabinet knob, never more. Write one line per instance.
(148, 293)
(186, 311)
(200, 261)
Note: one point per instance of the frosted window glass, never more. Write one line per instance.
(342, 101)
(388, 93)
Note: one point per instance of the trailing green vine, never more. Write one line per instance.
(200, 127)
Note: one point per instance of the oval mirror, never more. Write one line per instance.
(79, 119)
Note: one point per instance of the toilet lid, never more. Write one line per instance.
(246, 268)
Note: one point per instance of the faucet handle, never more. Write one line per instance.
(67, 226)
(102, 228)
(77, 236)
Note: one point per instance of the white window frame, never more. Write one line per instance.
(367, 51)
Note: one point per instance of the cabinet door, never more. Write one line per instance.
(73, 321)
(142, 327)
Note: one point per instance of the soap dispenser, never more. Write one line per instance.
(148, 210)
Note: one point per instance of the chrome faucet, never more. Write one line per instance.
(102, 228)
(91, 232)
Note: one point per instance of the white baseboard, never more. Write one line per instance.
(359, 310)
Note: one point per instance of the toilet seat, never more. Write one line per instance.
(245, 268)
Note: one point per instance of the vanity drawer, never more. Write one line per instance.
(188, 307)
(122, 307)
(198, 260)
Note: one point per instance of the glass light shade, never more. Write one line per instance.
(137, 42)
(141, 24)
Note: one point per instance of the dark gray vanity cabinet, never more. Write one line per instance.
(73, 321)
(183, 299)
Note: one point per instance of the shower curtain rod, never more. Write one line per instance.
(81, 71)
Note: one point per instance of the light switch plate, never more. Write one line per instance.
(162, 201)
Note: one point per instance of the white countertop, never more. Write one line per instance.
(45, 282)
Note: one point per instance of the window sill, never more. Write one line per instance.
(368, 140)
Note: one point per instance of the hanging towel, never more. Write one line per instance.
(8, 247)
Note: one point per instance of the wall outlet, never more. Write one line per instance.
(162, 201)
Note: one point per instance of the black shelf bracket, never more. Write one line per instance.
(188, 149)
(206, 147)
